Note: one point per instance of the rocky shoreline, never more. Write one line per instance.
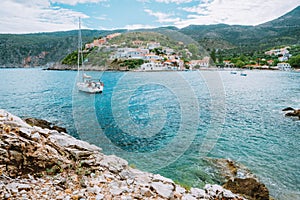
(61, 67)
(39, 163)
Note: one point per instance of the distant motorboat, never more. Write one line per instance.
(87, 84)
(243, 74)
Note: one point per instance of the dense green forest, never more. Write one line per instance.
(15, 48)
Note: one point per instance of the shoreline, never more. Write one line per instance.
(61, 67)
(75, 169)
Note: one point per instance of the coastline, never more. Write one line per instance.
(61, 67)
(73, 169)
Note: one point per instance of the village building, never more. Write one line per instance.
(276, 52)
(153, 45)
(152, 57)
(153, 66)
(228, 63)
(199, 63)
(168, 51)
(270, 62)
(133, 53)
(284, 66)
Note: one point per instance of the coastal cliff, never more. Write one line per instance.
(38, 163)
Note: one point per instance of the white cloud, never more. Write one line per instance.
(27, 17)
(162, 17)
(20, 16)
(74, 2)
(247, 12)
(173, 1)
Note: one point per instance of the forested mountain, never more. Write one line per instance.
(17, 50)
(41, 48)
(284, 30)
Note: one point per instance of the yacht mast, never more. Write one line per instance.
(80, 55)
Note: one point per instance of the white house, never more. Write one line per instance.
(282, 51)
(152, 57)
(168, 51)
(134, 53)
(283, 58)
(284, 66)
(171, 65)
(201, 63)
(152, 66)
(153, 45)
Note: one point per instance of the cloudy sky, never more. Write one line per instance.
(27, 16)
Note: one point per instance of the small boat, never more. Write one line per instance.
(88, 84)
(233, 72)
(243, 74)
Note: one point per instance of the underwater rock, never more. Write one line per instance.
(249, 187)
(240, 180)
(293, 112)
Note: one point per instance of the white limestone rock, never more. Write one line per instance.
(36, 137)
(164, 190)
(116, 191)
(199, 193)
(114, 163)
(12, 120)
(25, 131)
(42, 131)
(158, 177)
(228, 194)
(188, 197)
(18, 187)
(127, 197)
(65, 140)
(99, 197)
(180, 189)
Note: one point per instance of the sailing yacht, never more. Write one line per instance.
(87, 84)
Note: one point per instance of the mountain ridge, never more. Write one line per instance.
(19, 50)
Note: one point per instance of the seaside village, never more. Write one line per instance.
(167, 60)
(170, 60)
(282, 54)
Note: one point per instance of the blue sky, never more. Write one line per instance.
(28, 16)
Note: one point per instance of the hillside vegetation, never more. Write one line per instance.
(101, 56)
(17, 50)
(41, 48)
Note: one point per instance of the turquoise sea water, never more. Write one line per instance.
(170, 122)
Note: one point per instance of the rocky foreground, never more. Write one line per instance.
(38, 163)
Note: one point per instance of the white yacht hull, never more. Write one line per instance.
(90, 87)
